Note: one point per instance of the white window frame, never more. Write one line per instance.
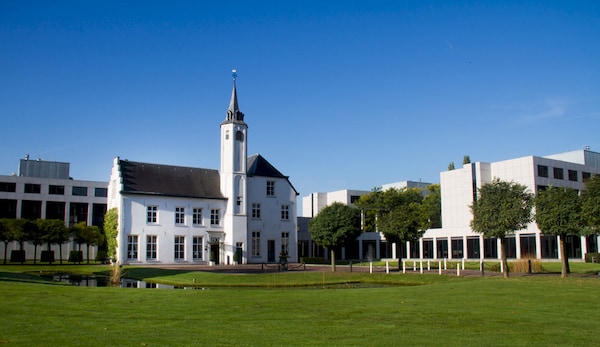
(270, 188)
(179, 215)
(256, 243)
(197, 216)
(151, 247)
(132, 247)
(215, 216)
(179, 247)
(255, 210)
(152, 214)
(285, 212)
(197, 247)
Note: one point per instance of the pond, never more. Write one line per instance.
(103, 281)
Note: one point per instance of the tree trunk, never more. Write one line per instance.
(60, 252)
(5, 249)
(34, 252)
(88, 253)
(332, 260)
(565, 260)
(503, 256)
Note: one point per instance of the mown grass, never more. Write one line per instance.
(424, 310)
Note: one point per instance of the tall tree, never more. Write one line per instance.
(17, 229)
(111, 223)
(6, 235)
(590, 205)
(335, 226)
(91, 236)
(558, 212)
(466, 159)
(500, 209)
(36, 236)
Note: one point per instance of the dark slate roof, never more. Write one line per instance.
(259, 166)
(167, 180)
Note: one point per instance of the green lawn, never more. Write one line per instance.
(418, 310)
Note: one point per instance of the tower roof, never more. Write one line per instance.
(233, 113)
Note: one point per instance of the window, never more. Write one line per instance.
(79, 191)
(197, 216)
(239, 201)
(8, 187)
(151, 247)
(180, 215)
(179, 247)
(214, 217)
(270, 188)
(585, 175)
(132, 247)
(285, 242)
(151, 213)
(285, 212)
(256, 243)
(255, 211)
(197, 247)
(226, 134)
(558, 173)
(573, 175)
(542, 170)
(101, 192)
(56, 190)
(32, 188)
(354, 198)
(239, 136)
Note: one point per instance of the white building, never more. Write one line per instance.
(44, 190)
(244, 212)
(459, 188)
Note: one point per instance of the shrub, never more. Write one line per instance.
(313, 260)
(17, 256)
(589, 257)
(47, 257)
(76, 256)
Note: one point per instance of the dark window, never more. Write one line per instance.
(101, 192)
(56, 190)
(80, 191)
(415, 250)
(490, 248)
(511, 247)
(457, 248)
(8, 208)
(558, 173)
(442, 248)
(354, 198)
(428, 248)
(549, 246)
(31, 209)
(55, 210)
(573, 175)
(32, 188)
(473, 247)
(528, 246)
(542, 170)
(585, 175)
(8, 187)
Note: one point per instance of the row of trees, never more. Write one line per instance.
(505, 207)
(47, 231)
(501, 208)
(400, 214)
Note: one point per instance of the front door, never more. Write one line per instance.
(271, 250)
(214, 253)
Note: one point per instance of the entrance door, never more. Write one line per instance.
(214, 253)
(271, 250)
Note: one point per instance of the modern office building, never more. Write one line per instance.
(44, 189)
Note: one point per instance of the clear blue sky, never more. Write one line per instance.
(337, 94)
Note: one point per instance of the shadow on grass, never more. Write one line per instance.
(25, 278)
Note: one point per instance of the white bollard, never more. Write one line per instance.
(414, 265)
(421, 266)
(440, 267)
(501, 267)
(428, 265)
(371, 267)
(457, 269)
(445, 264)
(404, 266)
(463, 263)
(387, 267)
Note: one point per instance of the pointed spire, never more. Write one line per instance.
(233, 113)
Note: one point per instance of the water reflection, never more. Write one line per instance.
(102, 281)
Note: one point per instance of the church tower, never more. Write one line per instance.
(234, 145)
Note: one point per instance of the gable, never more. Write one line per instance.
(259, 166)
(168, 180)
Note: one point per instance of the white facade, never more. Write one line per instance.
(458, 188)
(247, 208)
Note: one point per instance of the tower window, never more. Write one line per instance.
(239, 136)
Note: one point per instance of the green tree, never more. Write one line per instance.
(398, 213)
(431, 208)
(111, 224)
(558, 212)
(466, 159)
(451, 166)
(6, 235)
(55, 232)
(590, 205)
(92, 236)
(500, 209)
(335, 226)
(36, 237)
(17, 231)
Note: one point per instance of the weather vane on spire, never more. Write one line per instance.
(234, 74)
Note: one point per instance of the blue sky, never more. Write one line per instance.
(337, 94)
